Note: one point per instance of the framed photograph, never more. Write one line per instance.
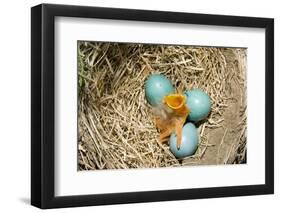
(139, 106)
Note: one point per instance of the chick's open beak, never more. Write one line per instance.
(177, 103)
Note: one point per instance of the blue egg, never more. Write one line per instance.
(156, 87)
(189, 141)
(199, 104)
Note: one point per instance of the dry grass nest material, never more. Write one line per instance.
(116, 129)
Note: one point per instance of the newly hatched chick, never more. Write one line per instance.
(171, 116)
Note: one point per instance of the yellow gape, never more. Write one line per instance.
(177, 103)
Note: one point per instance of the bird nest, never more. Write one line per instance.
(115, 122)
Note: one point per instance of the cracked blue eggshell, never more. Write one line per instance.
(189, 141)
(199, 104)
(156, 87)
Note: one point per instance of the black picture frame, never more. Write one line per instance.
(43, 102)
